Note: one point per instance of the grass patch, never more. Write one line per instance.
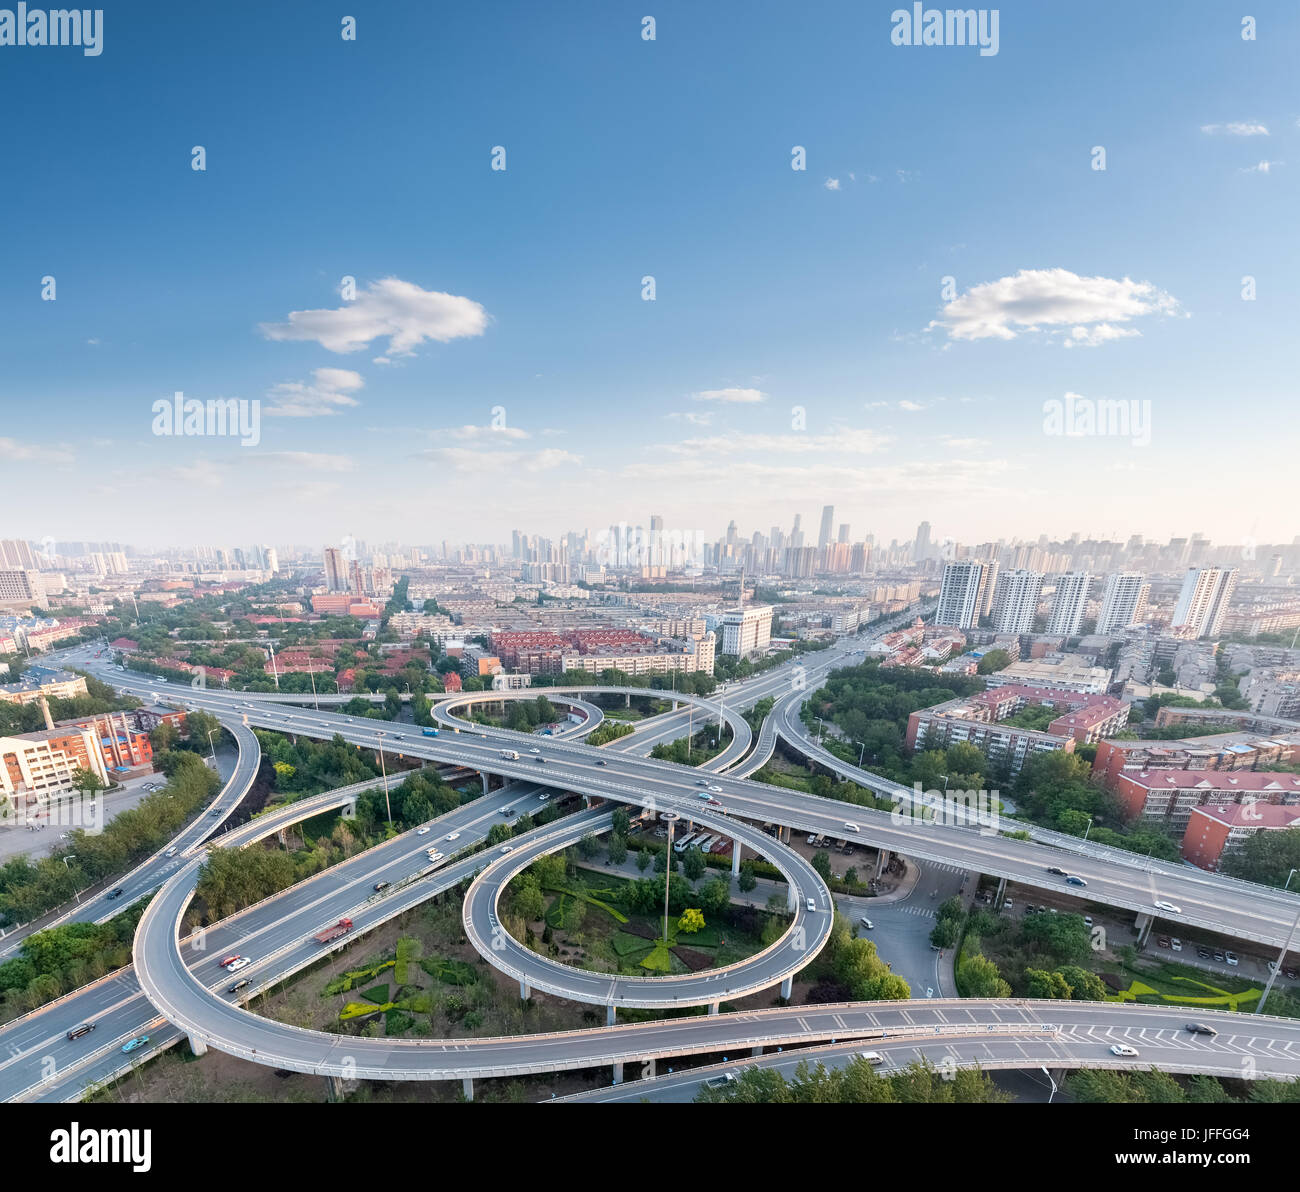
(376, 993)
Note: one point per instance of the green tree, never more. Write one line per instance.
(747, 880)
(693, 864)
(692, 920)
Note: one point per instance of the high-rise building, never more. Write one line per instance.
(844, 532)
(16, 554)
(747, 629)
(1069, 603)
(921, 547)
(1124, 601)
(1203, 601)
(961, 592)
(1015, 600)
(828, 522)
(336, 574)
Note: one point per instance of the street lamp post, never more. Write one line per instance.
(383, 768)
(1289, 876)
(668, 873)
(72, 857)
(1277, 967)
(1087, 829)
(211, 748)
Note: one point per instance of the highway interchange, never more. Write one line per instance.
(188, 990)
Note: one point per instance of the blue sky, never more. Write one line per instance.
(775, 288)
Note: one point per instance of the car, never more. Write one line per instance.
(1087, 920)
(236, 965)
(714, 803)
(115, 893)
(216, 811)
(867, 923)
(452, 836)
(1169, 906)
(540, 760)
(811, 839)
(848, 827)
(135, 1044)
(1203, 953)
(1272, 966)
(1218, 955)
(874, 1058)
(721, 1081)
(83, 1028)
(1072, 880)
(508, 811)
(1162, 941)
(534, 749)
(544, 797)
(1124, 1049)
(602, 762)
(812, 904)
(1199, 1028)
(171, 852)
(1231, 958)
(381, 886)
(229, 960)
(1176, 944)
(422, 831)
(700, 782)
(1288, 973)
(717, 790)
(702, 794)
(238, 985)
(1008, 904)
(1055, 870)
(509, 848)
(434, 855)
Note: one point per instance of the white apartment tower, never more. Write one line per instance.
(1124, 601)
(1015, 601)
(1069, 604)
(1203, 601)
(962, 593)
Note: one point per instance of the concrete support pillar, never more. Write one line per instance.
(1143, 924)
(627, 700)
(756, 1050)
(785, 834)
(611, 1014)
(713, 1007)
(467, 1087)
(336, 1088)
(674, 705)
(735, 858)
(487, 782)
(197, 1046)
(524, 991)
(1002, 889)
(791, 898)
(618, 1072)
(787, 987)
(882, 861)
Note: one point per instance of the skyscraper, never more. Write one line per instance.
(828, 521)
(1015, 600)
(1203, 601)
(921, 548)
(1123, 602)
(1069, 603)
(960, 594)
(336, 576)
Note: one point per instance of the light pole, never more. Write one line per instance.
(1087, 829)
(311, 674)
(384, 770)
(860, 753)
(72, 857)
(211, 748)
(1277, 967)
(1289, 876)
(668, 872)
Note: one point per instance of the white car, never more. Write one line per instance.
(422, 831)
(1169, 906)
(434, 855)
(534, 749)
(235, 965)
(452, 836)
(867, 923)
(1124, 1049)
(544, 797)
(851, 827)
(717, 790)
(509, 848)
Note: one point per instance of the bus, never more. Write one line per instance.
(684, 843)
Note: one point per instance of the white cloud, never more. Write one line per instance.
(315, 460)
(480, 434)
(832, 184)
(30, 452)
(910, 406)
(464, 459)
(841, 441)
(1034, 298)
(1264, 167)
(1090, 337)
(694, 417)
(732, 396)
(390, 308)
(1235, 128)
(327, 393)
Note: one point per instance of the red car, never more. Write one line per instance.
(229, 960)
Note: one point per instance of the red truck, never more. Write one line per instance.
(342, 927)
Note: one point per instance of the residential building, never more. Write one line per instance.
(745, 630)
(1069, 604)
(1015, 601)
(1124, 601)
(1203, 601)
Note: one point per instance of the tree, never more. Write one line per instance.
(530, 904)
(822, 863)
(714, 895)
(692, 920)
(86, 781)
(588, 847)
(944, 933)
(1265, 857)
(1039, 983)
(993, 660)
(1084, 986)
(642, 859)
(693, 865)
(747, 879)
(978, 976)
(617, 850)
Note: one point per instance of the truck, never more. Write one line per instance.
(430, 732)
(510, 754)
(342, 927)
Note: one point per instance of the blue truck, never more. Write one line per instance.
(430, 732)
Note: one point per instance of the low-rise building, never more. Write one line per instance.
(1214, 832)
